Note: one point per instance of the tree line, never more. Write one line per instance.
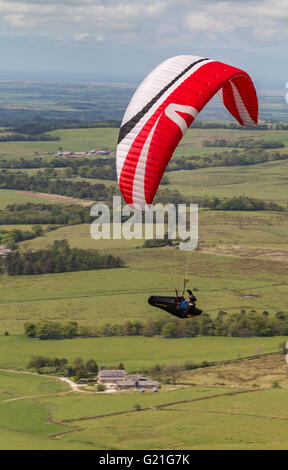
(238, 203)
(40, 126)
(57, 258)
(79, 189)
(105, 168)
(28, 138)
(100, 168)
(244, 143)
(55, 215)
(242, 324)
(228, 158)
(10, 238)
(56, 162)
(30, 213)
(78, 369)
(228, 125)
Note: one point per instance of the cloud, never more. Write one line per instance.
(80, 20)
(166, 21)
(87, 36)
(263, 20)
(202, 21)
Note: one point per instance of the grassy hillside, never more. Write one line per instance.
(266, 181)
(42, 413)
(241, 263)
(118, 295)
(135, 352)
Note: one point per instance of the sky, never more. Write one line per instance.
(123, 40)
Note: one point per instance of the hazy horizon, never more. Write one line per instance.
(277, 85)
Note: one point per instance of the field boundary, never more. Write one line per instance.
(155, 407)
(229, 413)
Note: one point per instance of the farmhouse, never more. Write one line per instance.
(123, 381)
(111, 376)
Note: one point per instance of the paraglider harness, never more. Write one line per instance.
(178, 306)
(184, 307)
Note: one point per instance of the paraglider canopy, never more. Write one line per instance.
(161, 110)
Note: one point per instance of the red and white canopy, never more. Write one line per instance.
(161, 110)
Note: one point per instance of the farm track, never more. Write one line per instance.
(26, 397)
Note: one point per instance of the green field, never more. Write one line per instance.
(173, 429)
(254, 229)
(118, 295)
(240, 263)
(16, 385)
(266, 181)
(181, 418)
(135, 352)
(76, 140)
(32, 421)
(11, 196)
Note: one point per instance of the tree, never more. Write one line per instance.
(80, 373)
(101, 388)
(38, 362)
(48, 330)
(78, 363)
(30, 329)
(169, 330)
(172, 372)
(37, 230)
(59, 364)
(92, 366)
(8, 240)
(69, 329)
(68, 172)
(155, 371)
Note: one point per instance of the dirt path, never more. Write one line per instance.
(35, 396)
(58, 198)
(75, 387)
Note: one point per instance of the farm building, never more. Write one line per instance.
(111, 376)
(123, 381)
(138, 382)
